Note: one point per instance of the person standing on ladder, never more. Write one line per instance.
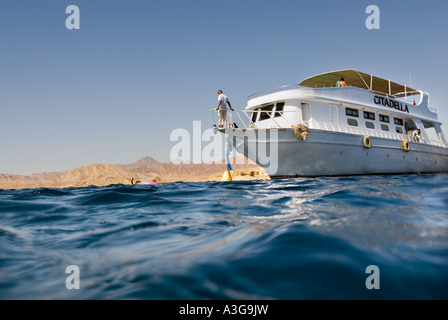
(223, 101)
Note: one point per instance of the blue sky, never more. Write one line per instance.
(114, 90)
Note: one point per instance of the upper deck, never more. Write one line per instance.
(361, 80)
(363, 90)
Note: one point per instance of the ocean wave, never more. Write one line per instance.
(280, 239)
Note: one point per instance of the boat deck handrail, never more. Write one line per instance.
(272, 90)
(296, 86)
(321, 126)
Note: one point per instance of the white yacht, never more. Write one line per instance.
(315, 128)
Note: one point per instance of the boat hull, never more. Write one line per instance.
(327, 153)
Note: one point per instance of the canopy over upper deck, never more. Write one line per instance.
(355, 78)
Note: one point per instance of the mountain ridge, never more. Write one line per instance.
(145, 168)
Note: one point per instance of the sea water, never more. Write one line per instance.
(304, 238)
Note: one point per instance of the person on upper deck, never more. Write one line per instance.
(419, 136)
(414, 135)
(341, 83)
(410, 133)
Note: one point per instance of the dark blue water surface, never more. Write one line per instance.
(302, 238)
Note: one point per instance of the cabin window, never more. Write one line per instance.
(369, 115)
(399, 129)
(352, 112)
(370, 125)
(398, 121)
(384, 127)
(384, 119)
(266, 115)
(352, 122)
(306, 112)
(279, 109)
(254, 116)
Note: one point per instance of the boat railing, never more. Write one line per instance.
(364, 131)
(436, 143)
(245, 119)
(402, 96)
(272, 90)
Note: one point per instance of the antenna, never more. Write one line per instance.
(410, 79)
